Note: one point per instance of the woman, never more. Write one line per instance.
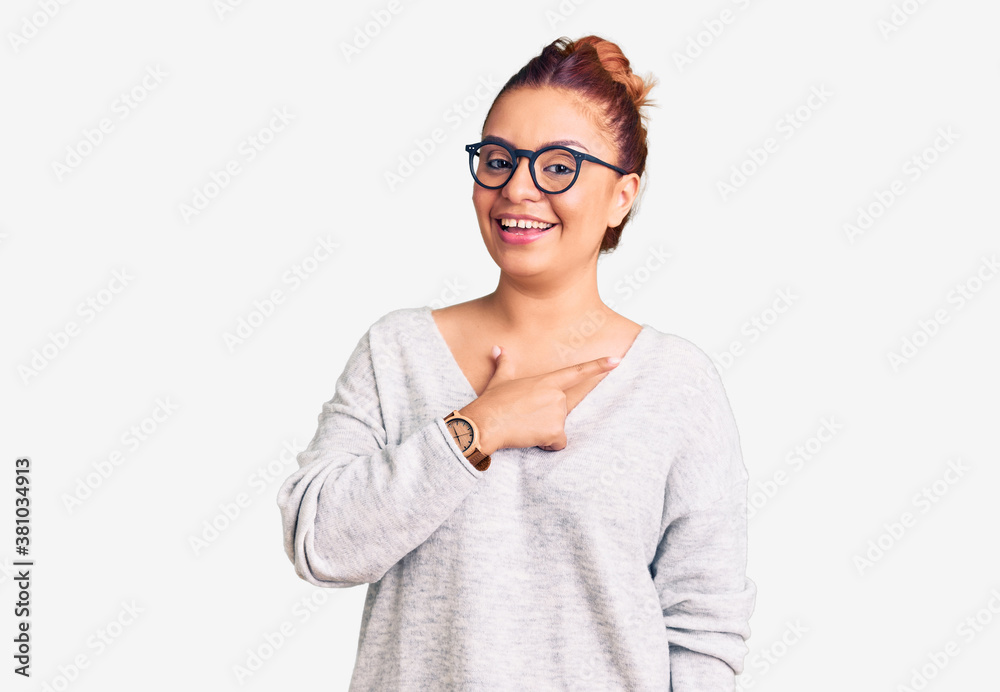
(530, 514)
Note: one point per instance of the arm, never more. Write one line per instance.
(700, 564)
(357, 504)
(705, 595)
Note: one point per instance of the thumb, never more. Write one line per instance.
(502, 368)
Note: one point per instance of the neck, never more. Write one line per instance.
(560, 311)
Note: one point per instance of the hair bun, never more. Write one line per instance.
(617, 65)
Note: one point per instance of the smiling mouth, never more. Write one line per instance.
(523, 226)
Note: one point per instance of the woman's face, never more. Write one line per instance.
(532, 118)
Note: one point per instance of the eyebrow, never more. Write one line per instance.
(558, 142)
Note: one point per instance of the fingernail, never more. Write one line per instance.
(613, 360)
(496, 351)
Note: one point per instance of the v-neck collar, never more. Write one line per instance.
(459, 374)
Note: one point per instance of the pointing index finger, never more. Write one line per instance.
(573, 375)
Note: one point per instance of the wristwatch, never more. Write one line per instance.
(466, 435)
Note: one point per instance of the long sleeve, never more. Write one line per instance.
(700, 564)
(359, 503)
(644, 507)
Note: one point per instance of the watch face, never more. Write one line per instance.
(462, 432)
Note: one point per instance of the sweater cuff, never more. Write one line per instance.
(453, 446)
(691, 671)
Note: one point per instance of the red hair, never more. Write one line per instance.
(597, 70)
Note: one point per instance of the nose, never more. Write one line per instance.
(521, 186)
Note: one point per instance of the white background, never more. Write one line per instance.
(239, 408)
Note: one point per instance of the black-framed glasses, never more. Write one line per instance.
(554, 169)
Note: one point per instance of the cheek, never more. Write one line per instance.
(579, 212)
(482, 200)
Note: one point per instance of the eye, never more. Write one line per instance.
(556, 163)
(559, 169)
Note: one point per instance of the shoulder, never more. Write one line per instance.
(401, 320)
(399, 331)
(696, 409)
(679, 361)
(398, 325)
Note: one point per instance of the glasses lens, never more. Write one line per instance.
(555, 169)
(493, 165)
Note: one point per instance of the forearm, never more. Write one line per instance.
(348, 517)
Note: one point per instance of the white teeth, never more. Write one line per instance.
(522, 223)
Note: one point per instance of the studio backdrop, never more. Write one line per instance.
(204, 205)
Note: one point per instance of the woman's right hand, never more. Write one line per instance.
(529, 411)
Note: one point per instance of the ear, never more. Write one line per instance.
(622, 198)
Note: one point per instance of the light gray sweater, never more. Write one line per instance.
(617, 563)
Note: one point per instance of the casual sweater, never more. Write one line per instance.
(616, 563)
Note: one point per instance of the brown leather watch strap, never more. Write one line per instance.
(479, 460)
(476, 457)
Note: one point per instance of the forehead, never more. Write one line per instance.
(532, 117)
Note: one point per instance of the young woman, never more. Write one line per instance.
(531, 514)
